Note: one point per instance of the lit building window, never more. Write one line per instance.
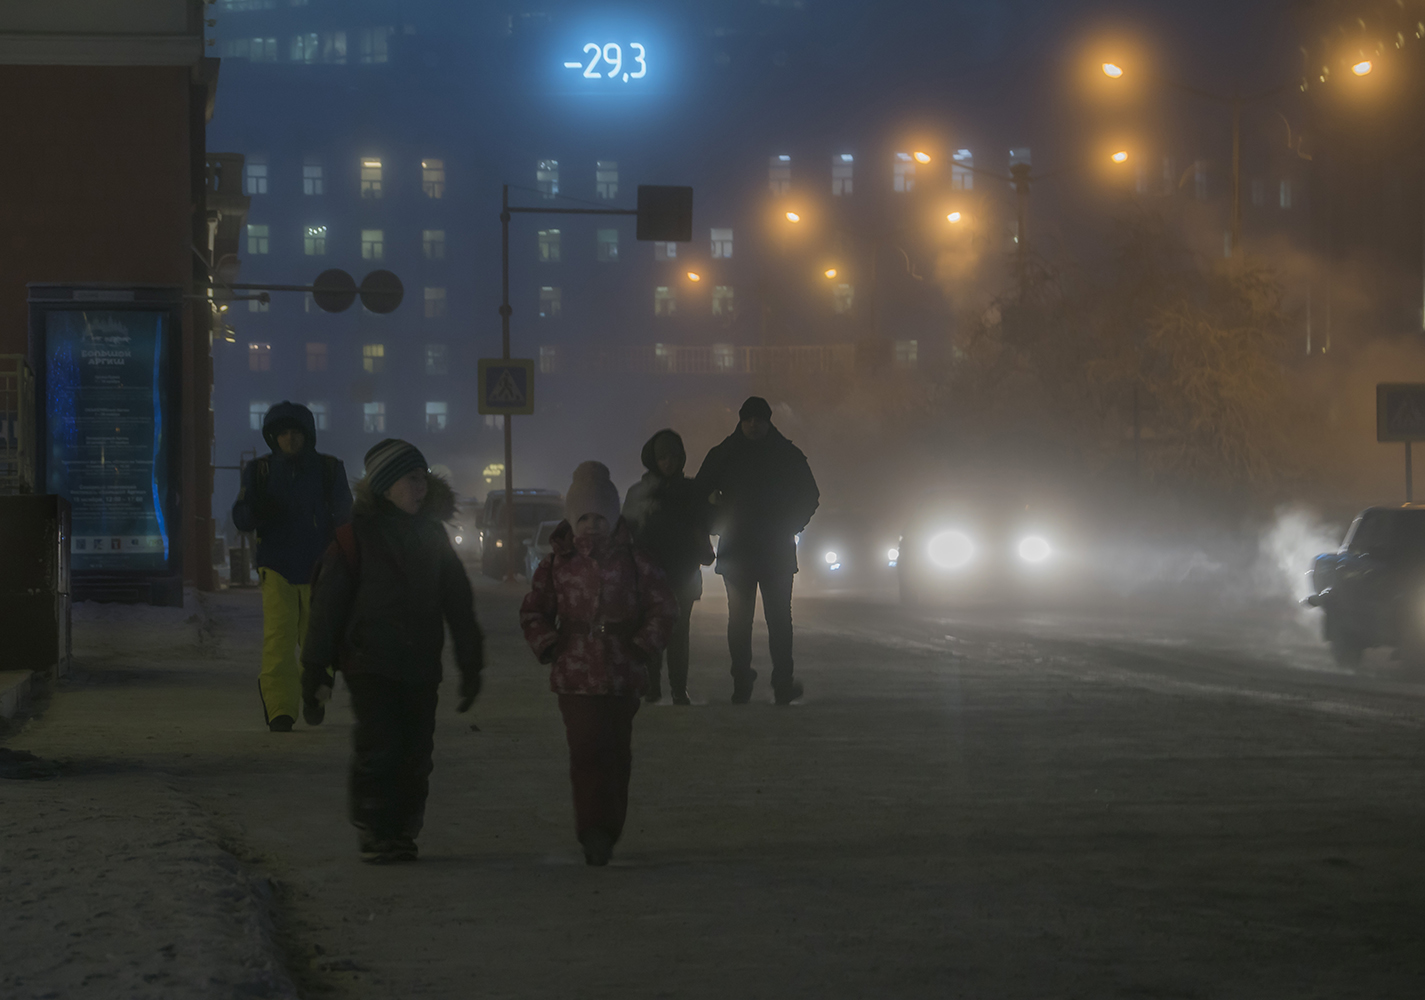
(334, 47)
(494, 422)
(724, 357)
(606, 178)
(546, 177)
(373, 418)
(373, 244)
(305, 47)
(906, 352)
(903, 175)
(309, 303)
(962, 177)
(321, 416)
(549, 246)
(374, 45)
(259, 357)
(1284, 194)
(433, 178)
(436, 360)
(1018, 155)
(548, 360)
(1259, 192)
(255, 171)
(313, 181)
(433, 243)
(255, 49)
(256, 239)
(550, 305)
(664, 357)
(370, 178)
(841, 296)
(842, 165)
(316, 357)
(723, 303)
(314, 243)
(664, 304)
(255, 413)
(435, 417)
(779, 174)
(256, 305)
(435, 303)
(665, 251)
(373, 358)
(607, 246)
(722, 243)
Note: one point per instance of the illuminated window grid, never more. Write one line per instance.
(373, 418)
(435, 303)
(314, 241)
(316, 357)
(433, 178)
(779, 174)
(664, 302)
(842, 167)
(373, 358)
(371, 175)
(259, 357)
(373, 244)
(433, 243)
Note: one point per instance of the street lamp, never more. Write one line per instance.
(793, 217)
(830, 272)
(1362, 68)
(953, 217)
(1120, 157)
(694, 276)
(922, 157)
(1115, 71)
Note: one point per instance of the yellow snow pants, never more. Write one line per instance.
(284, 627)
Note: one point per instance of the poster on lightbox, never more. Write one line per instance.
(107, 385)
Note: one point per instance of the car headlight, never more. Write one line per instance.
(459, 539)
(892, 554)
(830, 558)
(951, 549)
(1034, 549)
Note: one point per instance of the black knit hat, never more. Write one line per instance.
(755, 408)
(389, 461)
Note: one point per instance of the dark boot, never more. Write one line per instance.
(790, 693)
(598, 847)
(281, 724)
(742, 688)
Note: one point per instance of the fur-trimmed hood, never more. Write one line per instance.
(439, 503)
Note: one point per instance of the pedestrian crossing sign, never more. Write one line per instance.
(507, 385)
(1400, 411)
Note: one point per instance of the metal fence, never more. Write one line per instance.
(17, 425)
(719, 359)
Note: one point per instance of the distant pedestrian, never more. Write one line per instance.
(598, 611)
(763, 494)
(669, 518)
(294, 499)
(384, 594)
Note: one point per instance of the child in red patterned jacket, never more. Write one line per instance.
(599, 609)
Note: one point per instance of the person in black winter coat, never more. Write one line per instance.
(763, 495)
(669, 518)
(294, 499)
(384, 592)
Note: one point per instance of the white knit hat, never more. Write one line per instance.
(592, 492)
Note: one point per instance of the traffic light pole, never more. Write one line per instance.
(505, 312)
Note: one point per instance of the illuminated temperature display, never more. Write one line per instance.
(606, 62)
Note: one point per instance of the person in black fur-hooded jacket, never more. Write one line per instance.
(382, 596)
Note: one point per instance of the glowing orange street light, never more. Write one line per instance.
(922, 157)
(1112, 70)
(1120, 157)
(1362, 68)
(830, 272)
(793, 217)
(953, 217)
(694, 276)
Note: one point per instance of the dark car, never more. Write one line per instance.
(532, 508)
(970, 544)
(1373, 588)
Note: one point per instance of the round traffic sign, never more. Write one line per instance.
(381, 291)
(334, 291)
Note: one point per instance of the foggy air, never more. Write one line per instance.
(759, 498)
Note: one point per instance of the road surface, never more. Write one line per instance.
(1116, 803)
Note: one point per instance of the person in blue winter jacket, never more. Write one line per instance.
(294, 499)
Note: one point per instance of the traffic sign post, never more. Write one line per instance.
(665, 214)
(1400, 416)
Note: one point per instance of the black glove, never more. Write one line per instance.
(316, 692)
(469, 690)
